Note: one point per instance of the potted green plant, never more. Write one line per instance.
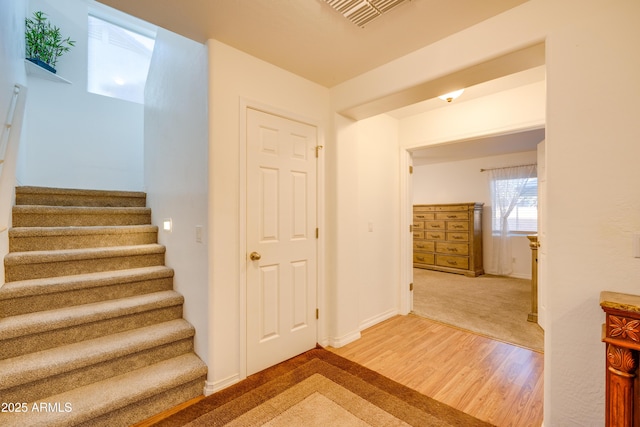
(44, 42)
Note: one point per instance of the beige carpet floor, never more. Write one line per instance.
(319, 389)
(494, 306)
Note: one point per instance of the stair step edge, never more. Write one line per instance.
(39, 257)
(78, 192)
(43, 321)
(78, 210)
(93, 400)
(52, 285)
(58, 360)
(21, 232)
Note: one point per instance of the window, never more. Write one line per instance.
(524, 216)
(118, 60)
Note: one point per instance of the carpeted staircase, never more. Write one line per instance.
(91, 331)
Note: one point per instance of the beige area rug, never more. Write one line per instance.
(319, 389)
(494, 306)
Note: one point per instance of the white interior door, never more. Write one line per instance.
(281, 239)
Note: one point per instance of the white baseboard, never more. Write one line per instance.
(377, 319)
(324, 342)
(212, 387)
(514, 276)
(344, 340)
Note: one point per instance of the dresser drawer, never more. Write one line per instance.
(458, 237)
(418, 225)
(435, 235)
(424, 246)
(452, 261)
(442, 208)
(452, 215)
(418, 235)
(423, 216)
(452, 248)
(458, 226)
(420, 258)
(423, 208)
(434, 225)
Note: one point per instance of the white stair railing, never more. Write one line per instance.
(5, 138)
(6, 130)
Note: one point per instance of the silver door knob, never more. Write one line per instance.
(255, 256)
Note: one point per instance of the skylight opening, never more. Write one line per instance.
(119, 60)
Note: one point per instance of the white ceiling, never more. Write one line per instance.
(309, 37)
(312, 40)
(480, 147)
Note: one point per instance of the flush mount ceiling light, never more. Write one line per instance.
(361, 12)
(451, 95)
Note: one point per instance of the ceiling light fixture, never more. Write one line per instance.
(361, 12)
(451, 95)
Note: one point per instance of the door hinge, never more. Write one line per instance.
(318, 148)
(317, 233)
(410, 169)
(411, 228)
(317, 313)
(411, 286)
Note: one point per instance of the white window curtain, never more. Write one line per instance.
(507, 185)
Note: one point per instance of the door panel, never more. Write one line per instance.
(281, 223)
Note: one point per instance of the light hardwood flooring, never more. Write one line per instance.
(491, 380)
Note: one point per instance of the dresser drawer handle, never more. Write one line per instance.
(452, 216)
(453, 249)
(450, 262)
(420, 258)
(435, 226)
(420, 246)
(420, 216)
(457, 237)
(436, 236)
(457, 226)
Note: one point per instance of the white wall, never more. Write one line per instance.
(499, 113)
(591, 149)
(76, 139)
(462, 181)
(235, 77)
(12, 72)
(176, 169)
(377, 220)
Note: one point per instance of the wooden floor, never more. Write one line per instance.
(491, 380)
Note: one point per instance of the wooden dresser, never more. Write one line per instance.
(448, 238)
(621, 334)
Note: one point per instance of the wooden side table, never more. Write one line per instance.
(621, 334)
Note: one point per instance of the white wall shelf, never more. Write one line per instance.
(37, 71)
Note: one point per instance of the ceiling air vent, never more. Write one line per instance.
(361, 12)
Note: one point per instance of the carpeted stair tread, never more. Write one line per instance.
(75, 197)
(41, 264)
(58, 216)
(38, 257)
(113, 394)
(76, 210)
(73, 237)
(52, 285)
(32, 323)
(55, 361)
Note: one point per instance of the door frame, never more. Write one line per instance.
(406, 211)
(242, 216)
(406, 236)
